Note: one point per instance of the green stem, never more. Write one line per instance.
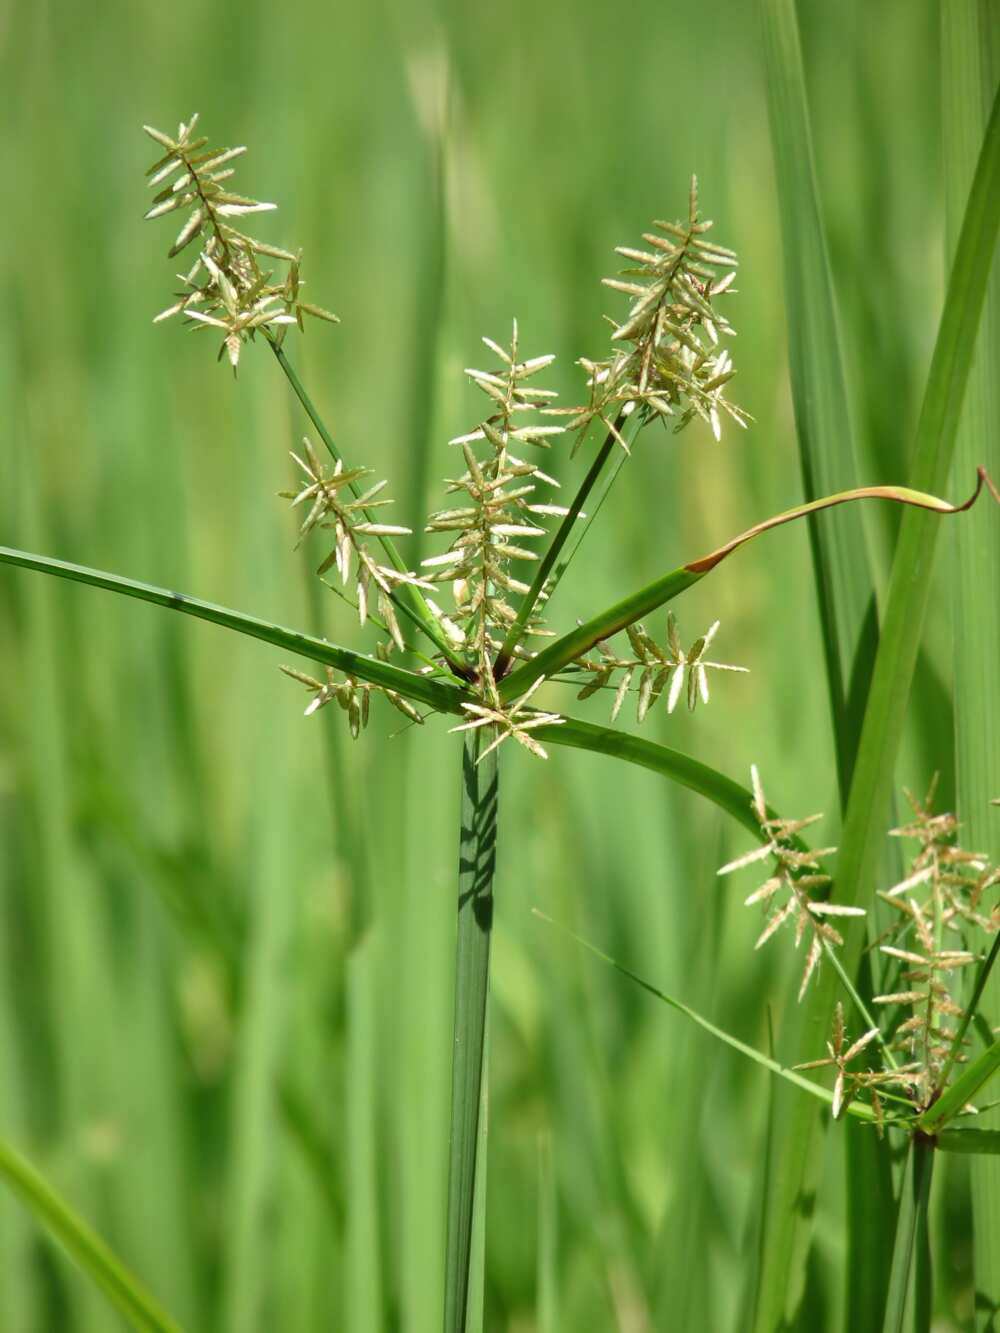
(552, 554)
(477, 859)
(84, 1246)
(910, 1229)
(416, 609)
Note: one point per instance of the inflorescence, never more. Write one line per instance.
(667, 362)
(941, 907)
(227, 287)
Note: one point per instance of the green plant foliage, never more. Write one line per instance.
(292, 1067)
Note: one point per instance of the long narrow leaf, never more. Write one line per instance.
(842, 571)
(730, 796)
(858, 1109)
(665, 589)
(409, 684)
(969, 72)
(83, 1245)
(962, 1090)
(909, 590)
(978, 1141)
(844, 583)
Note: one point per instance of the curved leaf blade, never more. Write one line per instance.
(421, 689)
(858, 1109)
(665, 589)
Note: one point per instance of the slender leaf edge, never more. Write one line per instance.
(83, 1245)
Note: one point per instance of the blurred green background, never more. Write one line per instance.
(226, 962)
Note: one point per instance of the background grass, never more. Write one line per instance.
(225, 1002)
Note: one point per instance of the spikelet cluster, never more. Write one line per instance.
(353, 696)
(655, 668)
(789, 892)
(334, 501)
(669, 362)
(941, 904)
(513, 723)
(500, 512)
(850, 1083)
(228, 288)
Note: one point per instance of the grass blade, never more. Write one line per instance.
(843, 576)
(734, 799)
(665, 589)
(477, 861)
(970, 49)
(547, 1269)
(909, 588)
(841, 565)
(909, 591)
(408, 683)
(84, 1246)
(260, 1051)
(858, 1109)
(965, 1087)
(979, 1141)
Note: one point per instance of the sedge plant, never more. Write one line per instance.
(468, 637)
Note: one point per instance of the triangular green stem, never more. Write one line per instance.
(477, 862)
(910, 1223)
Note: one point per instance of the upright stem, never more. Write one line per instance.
(477, 859)
(552, 554)
(911, 1234)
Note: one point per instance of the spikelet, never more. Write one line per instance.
(655, 668)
